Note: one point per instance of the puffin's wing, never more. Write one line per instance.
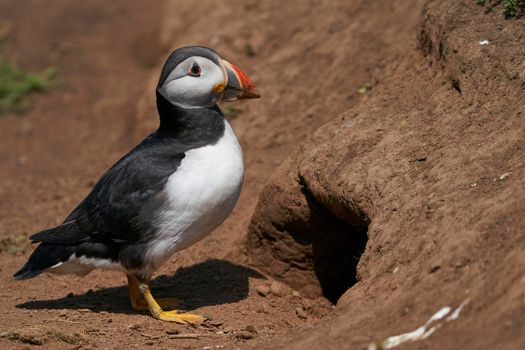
(114, 210)
(67, 233)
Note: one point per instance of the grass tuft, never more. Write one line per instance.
(232, 112)
(363, 89)
(15, 84)
(513, 8)
(13, 245)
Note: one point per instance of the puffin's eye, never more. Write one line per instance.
(195, 70)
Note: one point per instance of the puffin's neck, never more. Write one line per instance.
(190, 125)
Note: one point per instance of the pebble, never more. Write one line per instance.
(263, 290)
(251, 328)
(307, 304)
(173, 331)
(228, 329)
(244, 335)
(277, 289)
(300, 313)
(263, 309)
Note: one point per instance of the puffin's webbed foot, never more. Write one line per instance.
(141, 299)
(171, 316)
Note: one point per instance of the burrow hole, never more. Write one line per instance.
(338, 241)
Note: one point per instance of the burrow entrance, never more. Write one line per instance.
(337, 241)
(313, 247)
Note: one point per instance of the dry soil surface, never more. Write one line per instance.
(384, 173)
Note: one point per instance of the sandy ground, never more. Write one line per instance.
(407, 101)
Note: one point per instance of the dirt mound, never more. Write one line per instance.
(431, 165)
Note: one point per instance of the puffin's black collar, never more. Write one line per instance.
(194, 126)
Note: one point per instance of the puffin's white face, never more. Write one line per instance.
(196, 77)
(196, 82)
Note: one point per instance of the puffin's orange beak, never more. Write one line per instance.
(238, 85)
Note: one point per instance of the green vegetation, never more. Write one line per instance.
(513, 8)
(232, 112)
(16, 83)
(363, 89)
(13, 245)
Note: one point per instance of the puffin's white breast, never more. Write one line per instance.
(201, 194)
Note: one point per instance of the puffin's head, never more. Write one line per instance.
(196, 77)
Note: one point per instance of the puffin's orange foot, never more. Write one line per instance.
(139, 303)
(176, 316)
(171, 316)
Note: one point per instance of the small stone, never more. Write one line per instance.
(263, 290)
(277, 289)
(301, 313)
(244, 335)
(207, 325)
(263, 309)
(134, 327)
(216, 323)
(435, 268)
(173, 331)
(251, 328)
(228, 330)
(307, 304)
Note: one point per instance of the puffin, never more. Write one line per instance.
(170, 191)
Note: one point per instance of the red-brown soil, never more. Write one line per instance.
(424, 171)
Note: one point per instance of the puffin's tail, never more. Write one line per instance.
(56, 247)
(46, 255)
